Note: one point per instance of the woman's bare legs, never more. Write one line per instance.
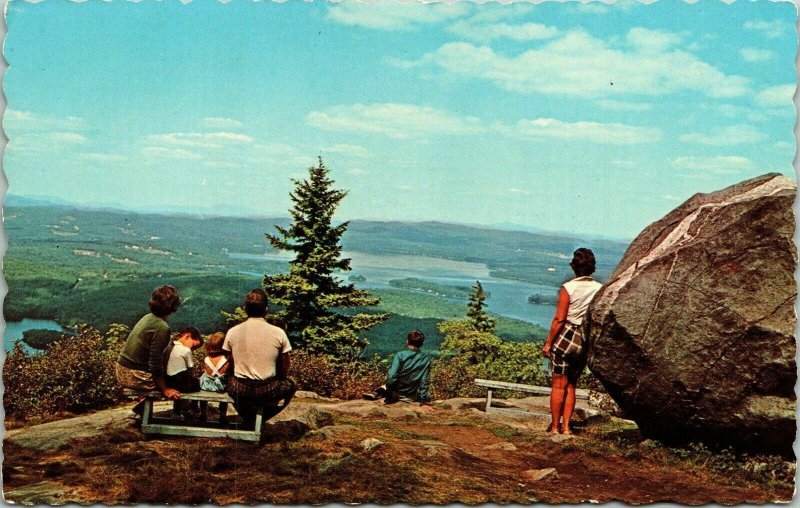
(558, 394)
(569, 407)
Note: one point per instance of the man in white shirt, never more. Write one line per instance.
(260, 361)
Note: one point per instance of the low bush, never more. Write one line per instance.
(75, 374)
(468, 354)
(318, 374)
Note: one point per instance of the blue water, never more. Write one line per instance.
(508, 298)
(14, 330)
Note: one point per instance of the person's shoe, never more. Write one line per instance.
(372, 396)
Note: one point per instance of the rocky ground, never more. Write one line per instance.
(321, 450)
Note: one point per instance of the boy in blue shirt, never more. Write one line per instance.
(409, 375)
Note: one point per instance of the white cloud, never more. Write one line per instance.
(578, 64)
(216, 122)
(623, 163)
(345, 149)
(785, 145)
(776, 96)
(670, 197)
(68, 137)
(726, 136)
(603, 133)
(102, 157)
(716, 165)
(752, 55)
(592, 8)
(770, 29)
(26, 120)
(391, 15)
(518, 191)
(398, 121)
(476, 31)
(169, 153)
(652, 41)
(200, 139)
(613, 105)
(357, 171)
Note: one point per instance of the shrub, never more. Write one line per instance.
(74, 374)
(468, 354)
(316, 373)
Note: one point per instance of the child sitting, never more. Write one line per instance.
(179, 363)
(215, 365)
(408, 376)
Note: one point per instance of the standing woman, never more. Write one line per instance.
(564, 345)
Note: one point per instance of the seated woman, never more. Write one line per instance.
(140, 365)
(564, 345)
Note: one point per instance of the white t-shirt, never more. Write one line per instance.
(581, 290)
(255, 346)
(180, 359)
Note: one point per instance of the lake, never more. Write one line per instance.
(14, 330)
(508, 297)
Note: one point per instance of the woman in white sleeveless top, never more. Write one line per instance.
(564, 345)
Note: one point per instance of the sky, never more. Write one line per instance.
(587, 118)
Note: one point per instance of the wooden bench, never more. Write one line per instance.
(518, 387)
(152, 424)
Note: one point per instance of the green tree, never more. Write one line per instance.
(320, 311)
(477, 316)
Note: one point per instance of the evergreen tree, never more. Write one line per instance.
(477, 316)
(312, 296)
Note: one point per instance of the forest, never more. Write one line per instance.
(97, 266)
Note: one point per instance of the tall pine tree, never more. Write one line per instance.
(314, 299)
(478, 317)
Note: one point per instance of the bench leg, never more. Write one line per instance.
(259, 421)
(488, 400)
(147, 413)
(203, 410)
(223, 413)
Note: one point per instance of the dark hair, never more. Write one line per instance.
(215, 342)
(164, 301)
(193, 332)
(583, 262)
(415, 338)
(255, 303)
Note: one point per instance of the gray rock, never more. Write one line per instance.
(460, 403)
(370, 444)
(303, 394)
(507, 447)
(327, 465)
(559, 438)
(42, 493)
(693, 336)
(536, 475)
(333, 430)
(605, 403)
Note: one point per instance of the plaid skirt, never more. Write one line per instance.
(269, 390)
(567, 355)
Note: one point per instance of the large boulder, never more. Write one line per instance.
(693, 336)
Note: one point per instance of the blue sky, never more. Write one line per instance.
(589, 118)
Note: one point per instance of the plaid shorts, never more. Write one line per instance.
(268, 390)
(562, 360)
(139, 380)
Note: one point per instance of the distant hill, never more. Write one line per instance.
(509, 254)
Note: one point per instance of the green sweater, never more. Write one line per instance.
(144, 348)
(409, 375)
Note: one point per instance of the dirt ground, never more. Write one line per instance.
(318, 454)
